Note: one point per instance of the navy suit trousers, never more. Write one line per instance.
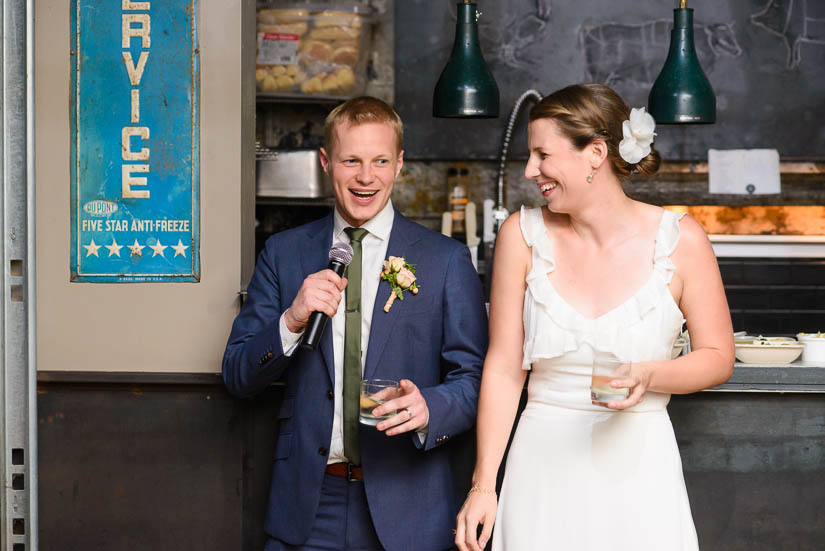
(342, 523)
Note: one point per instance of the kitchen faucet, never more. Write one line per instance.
(499, 211)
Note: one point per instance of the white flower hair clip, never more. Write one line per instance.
(638, 136)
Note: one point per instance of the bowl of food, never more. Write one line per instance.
(759, 339)
(814, 346)
(768, 350)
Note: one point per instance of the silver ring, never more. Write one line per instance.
(409, 411)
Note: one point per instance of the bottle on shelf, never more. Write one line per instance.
(457, 196)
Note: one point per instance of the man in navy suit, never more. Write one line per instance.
(337, 484)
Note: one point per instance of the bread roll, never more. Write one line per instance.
(346, 78)
(286, 28)
(269, 85)
(345, 55)
(312, 85)
(316, 50)
(330, 84)
(331, 18)
(334, 33)
(285, 83)
(283, 16)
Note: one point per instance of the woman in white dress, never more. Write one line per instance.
(592, 273)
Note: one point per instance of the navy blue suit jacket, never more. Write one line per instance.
(437, 339)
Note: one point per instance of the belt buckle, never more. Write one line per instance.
(349, 473)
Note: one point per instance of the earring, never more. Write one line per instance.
(590, 177)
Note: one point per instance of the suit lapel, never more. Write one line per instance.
(403, 235)
(315, 260)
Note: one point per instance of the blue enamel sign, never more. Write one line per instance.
(135, 199)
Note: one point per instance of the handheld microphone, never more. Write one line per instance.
(340, 255)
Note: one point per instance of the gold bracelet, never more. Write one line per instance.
(482, 490)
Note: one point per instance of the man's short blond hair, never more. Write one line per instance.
(361, 110)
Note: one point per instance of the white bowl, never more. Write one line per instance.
(777, 352)
(763, 341)
(814, 344)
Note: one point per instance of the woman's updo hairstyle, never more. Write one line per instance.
(589, 112)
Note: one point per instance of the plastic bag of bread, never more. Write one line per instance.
(312, 51)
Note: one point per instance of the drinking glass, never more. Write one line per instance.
(375, 392)
(605, 370)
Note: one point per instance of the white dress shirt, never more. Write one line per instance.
(373, 252)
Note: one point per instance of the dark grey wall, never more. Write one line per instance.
(764, 60)
(775, 296)
(167, 462)
(753, 465)
(167, 466)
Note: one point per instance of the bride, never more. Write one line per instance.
(592, 273)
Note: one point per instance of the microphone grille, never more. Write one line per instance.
(341, 252)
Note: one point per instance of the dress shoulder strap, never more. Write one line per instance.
(532, 224)
(535, 235)
(667, 238)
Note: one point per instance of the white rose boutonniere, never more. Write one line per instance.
(401, 277)
(638, 136)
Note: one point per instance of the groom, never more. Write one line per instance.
(337, 484)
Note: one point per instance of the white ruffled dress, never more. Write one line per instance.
(581, 477)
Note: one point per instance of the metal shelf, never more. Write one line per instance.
(298, 98)
(296, 201)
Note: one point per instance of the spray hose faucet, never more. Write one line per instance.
(499, 212)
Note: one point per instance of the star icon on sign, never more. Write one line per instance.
(158, 248)
(180, 249)
(91, 249)
(114, 248)
(137, 249)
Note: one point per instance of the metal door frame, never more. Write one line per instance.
(18, 371)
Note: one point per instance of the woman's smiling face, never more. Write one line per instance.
(555, 163)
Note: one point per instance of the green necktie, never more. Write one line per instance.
(352, 347)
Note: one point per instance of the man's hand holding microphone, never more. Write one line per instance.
(320, 292)
(318, 298)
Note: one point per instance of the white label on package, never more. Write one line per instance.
(744, 171)
(277, 49)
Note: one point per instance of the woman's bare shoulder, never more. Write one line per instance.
(510, 231)
(692, 233)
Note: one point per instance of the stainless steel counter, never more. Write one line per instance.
(793, 377)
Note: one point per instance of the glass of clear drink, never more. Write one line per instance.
(375, 392)
(605, 370)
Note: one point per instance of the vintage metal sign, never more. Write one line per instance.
(135, 138)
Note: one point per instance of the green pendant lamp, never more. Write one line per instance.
(466, 88)
(682, 93)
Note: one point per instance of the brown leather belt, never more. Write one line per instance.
(346, 470)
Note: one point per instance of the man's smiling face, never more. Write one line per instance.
(363, 163)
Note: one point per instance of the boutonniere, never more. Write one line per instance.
(401, 277)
